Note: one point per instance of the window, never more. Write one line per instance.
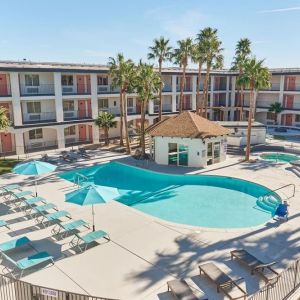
(172, 154)
(36, 134)
(67, 80)
(129, 102)
(178, 154)
(70, 131)
(32, 80)
(68, 105)
(33, 107)
(102, 80)
(297, 118)
(103, 103)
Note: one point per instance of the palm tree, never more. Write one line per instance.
(181, 57)
(161, 51)
(212, 55)
(4, 120)
(198, 57)
(276, 108)
(122, 72)
(254, 77)
(106, 121)
(242, 54)
(147, 84)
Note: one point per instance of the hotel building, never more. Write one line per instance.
(53, 105)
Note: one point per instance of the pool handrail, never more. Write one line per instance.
(280, 188)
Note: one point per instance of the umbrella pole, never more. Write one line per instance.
(35, 184)
(93, 213)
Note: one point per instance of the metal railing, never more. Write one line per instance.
(38, 90)
(41, 117)
(281, 287)
(107, 89)
(79, 89)
(77, 114)
(36, 146)
(281, 188)
(14, 289)
(295, 88)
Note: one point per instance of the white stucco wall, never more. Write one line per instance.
(258, 136)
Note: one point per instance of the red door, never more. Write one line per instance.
(289, 101)
(290, 83)
(288, 120)
(80, 84)
(3, 85)
(6, 142)
(82, 111)
(82, 133)
(90, 133)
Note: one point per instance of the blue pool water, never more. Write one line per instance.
(199, 200)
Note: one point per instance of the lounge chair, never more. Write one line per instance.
(31, 202)
(9, 188)
(87, 239)
(180, 290)
(4, 224)
(255, 265)
(223, 282)
(28, 262)
(69, 158)
(82, 152)
(14, 244)
(64, 228)
(17, 195)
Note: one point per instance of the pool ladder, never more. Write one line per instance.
(80, 178)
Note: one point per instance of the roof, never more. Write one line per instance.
(187, 125)
(240, 124)
(27, 65)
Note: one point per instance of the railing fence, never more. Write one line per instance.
(13, 289)
(282, 287)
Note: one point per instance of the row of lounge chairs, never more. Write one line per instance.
(44, 214)
(180, 290)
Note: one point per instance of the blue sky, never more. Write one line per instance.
(89, 31)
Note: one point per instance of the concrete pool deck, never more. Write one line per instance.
(145, 252)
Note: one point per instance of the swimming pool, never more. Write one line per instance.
(281, 157)
(208, 201)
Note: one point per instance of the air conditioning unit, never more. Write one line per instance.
(67, 89)
(68, 114)
(32, 89)
(34, 117)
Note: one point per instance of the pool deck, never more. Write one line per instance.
(145, 252)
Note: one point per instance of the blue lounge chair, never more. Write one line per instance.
(14, 244)
(4, 224)
(28, 262)
(88, 238)
(16, 197)
(9, 188)
(41, 210)
(69, 227)
(55, 216)
(31, 202)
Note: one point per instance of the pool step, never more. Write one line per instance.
(268, 203)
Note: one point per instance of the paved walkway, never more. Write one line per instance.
(146, 252)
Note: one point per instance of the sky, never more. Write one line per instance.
(90, 31)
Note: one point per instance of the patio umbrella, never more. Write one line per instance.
(91, 194)
(35, 168)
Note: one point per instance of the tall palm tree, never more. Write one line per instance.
(147, 84)
(163, 52)
(122, 72)
(276, 108)
(181, 57)
(254, 77)
(106, 121)
(198, 57)
(213, 56)
(242, 54)
(4, 120)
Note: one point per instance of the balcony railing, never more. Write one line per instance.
(165, 108)
(32, 146)
(107, 89)
(186, 88)
(167, 88)
(77, 115)
(69, 141)
(296, 88)
(39, 90)
(220, 87)
(5, 90)
(131, 110)
(79, 89)
(42, 117)
(185, 106)
(273, 87)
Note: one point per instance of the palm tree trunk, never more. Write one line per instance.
(205, 90)
(242, 103)
(128, 150)
(143, 127)
(182, 88)
(121, 118)
(247, 157)
(106, 136)
(160, 91)
(199, 101)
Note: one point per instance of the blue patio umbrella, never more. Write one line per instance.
(91, 194)
(34, 168)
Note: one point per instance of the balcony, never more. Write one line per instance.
(73, 141)
(131, 110)
(77, 115)
(38, 146)
(167, 88)
(42, 117)
(79, 89)
(107, 89)
(187, 105)
(5, 90)
(40, 90)
(186, 88)
(220, 87)
(165, 108)
(296, 88)
(273, 87)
